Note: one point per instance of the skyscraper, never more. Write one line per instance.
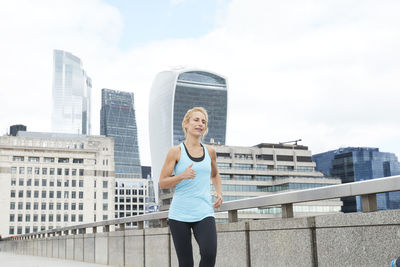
(71, 95)
(354, 164)
(118, 120)
(172, 94)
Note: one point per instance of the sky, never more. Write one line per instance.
(326, 72)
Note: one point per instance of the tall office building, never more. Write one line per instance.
(354, 164)
(71, 95)
(118, 120)
(50, 180)
(172, 94)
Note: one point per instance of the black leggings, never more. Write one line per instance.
(206, 236)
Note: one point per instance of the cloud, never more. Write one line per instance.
(325, 72)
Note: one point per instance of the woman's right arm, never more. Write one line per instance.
(166, 178)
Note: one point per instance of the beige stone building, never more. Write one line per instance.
(266, 169)
(54, 180)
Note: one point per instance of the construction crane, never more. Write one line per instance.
(294, 141)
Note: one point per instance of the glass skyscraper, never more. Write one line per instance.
(118, 120)
(71, 95)
(173, 93)
(354, 164)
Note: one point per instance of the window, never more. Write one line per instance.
(51, 182)
(37, 171)
(20, 205)
(19, 230)
(29, 182)
(44, 182)
(13, 170)
(43, 205)
(73, 183)
(222, 165)
(73, 172)
(66, 183)
(12, 205)
(36, 205)
(27, 217)
(51, 217)
(105, 195)
(51, 206)
(58, 194)
(36, 182)
(80, 194)
(105, 206)
(27, 205)
(73, 217)
(21, 170)
(59, 171)
(105, 184)
(59, 182)
(33, 159)
(80, 206)
(29, 170)
(18, 158)
(28, 193)
(66, 171)
(105, 217)
(65, 206)
(80, 183)
(12, 193)
(36, 193)
(73, 206)
(43, 217)
(65, 217)
(65, 194)
(242, 166)
(20, 193)
(12, 217)
(63, 160)
(46, 159)
(51, 172)
(51, 194)
(73, 194)
(265, 157)
(80, 217)
(80, 161)
(58, 206)
(80, 172)
(43, 194)
(58, 217)
(284, 158)
(44, 171)
(21, 182)
(11, 231)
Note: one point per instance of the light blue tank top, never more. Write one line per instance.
(192, 197)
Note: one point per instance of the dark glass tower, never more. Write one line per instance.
(354, 164)
(118, 120)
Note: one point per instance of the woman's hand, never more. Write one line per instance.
(218, 202)
(189, 173)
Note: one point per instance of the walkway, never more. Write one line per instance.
(13, 260)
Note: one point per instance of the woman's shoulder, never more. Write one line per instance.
(211, 150)
(174, 152)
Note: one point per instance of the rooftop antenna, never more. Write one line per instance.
(287, 142)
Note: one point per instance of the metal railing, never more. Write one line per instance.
(366, 189)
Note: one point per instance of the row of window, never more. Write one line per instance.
(273, 188)
(129, 192)
(47, 171)
(51, 194)
(52, 182)
(129, 207)
(129, 200)
(48, 159)
(264, 157)
(45, 217)
(243, 166)
(35, 206)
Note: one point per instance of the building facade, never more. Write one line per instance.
(172, 94)
(71, 95)
(54, 180)
(118, 120)
(354, 164)
(267, 169)
(131, 197)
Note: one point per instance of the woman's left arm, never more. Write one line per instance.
(215, 177)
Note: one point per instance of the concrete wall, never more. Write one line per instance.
(359, 239)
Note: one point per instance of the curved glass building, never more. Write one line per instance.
(71, 95)
(172, 94)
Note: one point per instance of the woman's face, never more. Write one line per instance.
(196, 124)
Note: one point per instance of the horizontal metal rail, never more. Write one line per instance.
(366, 189)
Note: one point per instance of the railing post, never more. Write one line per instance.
(164, 222)
(287, 210)
(369, 203)
(232, 216)
(140, 224)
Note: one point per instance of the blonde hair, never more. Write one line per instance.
(188, 115)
